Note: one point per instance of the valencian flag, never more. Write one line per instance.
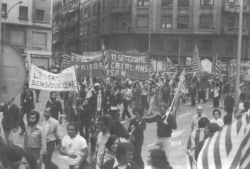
(174, 105)
(218, 68)
(66, 60)
(105, 65)
(229, 148)
(195, 65)
(168, 65)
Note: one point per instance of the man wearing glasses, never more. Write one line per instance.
(196, 118)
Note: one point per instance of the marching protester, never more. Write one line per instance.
(35, 139)
(27, 104)
(52, 132)
(75, 147)
(124, 156)
(197, 117)
(157, 160)
(10, 121)
(136, 128)
(144, 96)
(165, 124)
(115, 101)
(127, 95)
(151, 94)
(55, 105)
(217, 119)
(228, 107)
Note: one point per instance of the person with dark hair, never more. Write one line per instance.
(115, 101)
(124, 156)
(157, 159)
(55, 105)
(28, 161)
(127, 95)
(37, 91)
(116, 128)
(35, 139)
(144, 96)
(217, 119)
(10, 121)
(109, 151)
(136, 128)
(197, 136)
(75, 147)
(210, 129)
(27, 104)
(53, 134)
(14, 155)
(229, 103)
(102, 138)
(151, 95)
(217, 95)
(165, 124)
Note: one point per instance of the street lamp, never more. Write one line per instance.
(7, 17)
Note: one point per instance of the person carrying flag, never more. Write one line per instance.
(165, 124)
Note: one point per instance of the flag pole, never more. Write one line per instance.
(237, 82)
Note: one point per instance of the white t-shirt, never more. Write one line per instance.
(75, 146)
(101, 141)
(218, 121)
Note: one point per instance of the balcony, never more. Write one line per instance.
(231, 8)
(234, 31)
(120, 9)
(118, 30)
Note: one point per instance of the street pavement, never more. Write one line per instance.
(179, 138)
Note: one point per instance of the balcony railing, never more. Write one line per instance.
(234, 31)
(120, 9)
(118, 30)
(231, 8)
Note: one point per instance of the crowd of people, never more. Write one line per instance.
(96, 137)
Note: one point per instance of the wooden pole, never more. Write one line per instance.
(237, 82)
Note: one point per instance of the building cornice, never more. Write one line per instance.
(49, 27)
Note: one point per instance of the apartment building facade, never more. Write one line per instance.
(27, 25)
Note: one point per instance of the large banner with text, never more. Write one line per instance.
(127, 65)
(43, 80)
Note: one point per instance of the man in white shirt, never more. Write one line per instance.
(102, 138)
(197, 117)
(74, 146)
(127, 93)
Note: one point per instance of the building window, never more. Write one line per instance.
(207, 2)
(159, 44)
(87, 12)
(206, 46)
(166, 22)
(94, 10)
(230, 46)
(166, 3)
(174, 45)
(189, 46)
(206, 22)
(23, 12)
(143, 22)
(17, 37)
(39, 39)
(182, 22)
(4, 9)
(40, 15)
(81, 30)
(143, 3)
(183, 3)
(94, 27)
(85, 30)
(230, 22)
(103, 5)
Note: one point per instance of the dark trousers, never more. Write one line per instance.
(137, 153)
(47, 157)
(165, 98)
(144, 102)
(216, 102)
(125, 110)
(37, 94)
(201, 95)
(22, 125)
(114, 114)
(193, 102)
(84, 124)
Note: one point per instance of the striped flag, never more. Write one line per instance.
(104, 64)
(195, 64)
(168, 65)
(66, 59)
(218, 68)
(229, 148)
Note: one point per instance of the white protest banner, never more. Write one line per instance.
(43, 80)
(206, 65)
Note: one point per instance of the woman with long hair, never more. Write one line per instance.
(157, 159)
(109, 151)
